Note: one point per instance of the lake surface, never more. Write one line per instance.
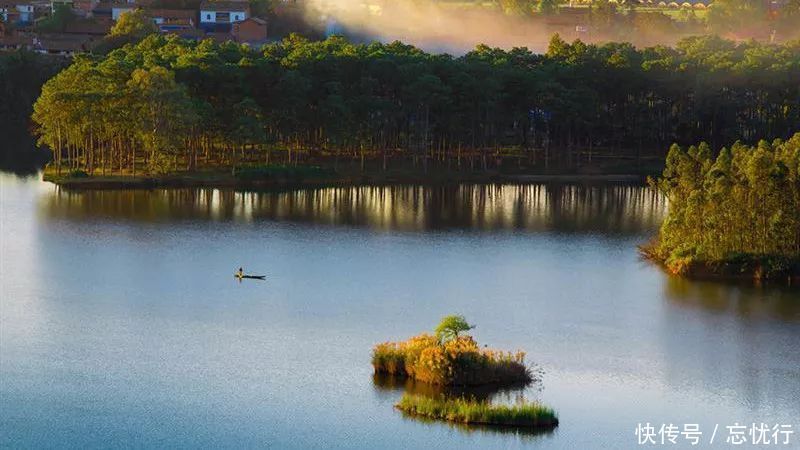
(121, 323)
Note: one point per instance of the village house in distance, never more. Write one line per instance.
(66, 27)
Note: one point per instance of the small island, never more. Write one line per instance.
(736, 216)
(451, 358)
(527, 415)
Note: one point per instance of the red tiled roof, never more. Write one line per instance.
(64, 42)
(257, 20)
(172, 13)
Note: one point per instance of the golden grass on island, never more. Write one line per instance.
(450, 359)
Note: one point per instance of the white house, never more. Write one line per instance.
(17, 12)
(220, 15)
(5, 9)
(118, 9)
(25, 12)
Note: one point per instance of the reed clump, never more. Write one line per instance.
(455, 361)
(462, 410)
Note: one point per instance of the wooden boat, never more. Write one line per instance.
(250, 277)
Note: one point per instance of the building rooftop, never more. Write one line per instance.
(224, 5)
(172, 13)
(94, 27)
(16, 41)
(59, 42)
(107, 6)
(257, 20)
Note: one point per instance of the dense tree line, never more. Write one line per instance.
(742, 206)
(165, 104)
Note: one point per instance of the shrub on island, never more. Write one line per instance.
(528, 414)
(450, 359)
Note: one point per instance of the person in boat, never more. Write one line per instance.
(240, 273)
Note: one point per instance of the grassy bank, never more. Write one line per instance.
(733, 267)
(532, 415)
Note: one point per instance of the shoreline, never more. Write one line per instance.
(220, 180)
(751, 272)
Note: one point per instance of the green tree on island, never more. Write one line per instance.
(450, 327)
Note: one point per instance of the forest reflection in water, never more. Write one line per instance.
(741, 299)
(133, 279)
(615, 208)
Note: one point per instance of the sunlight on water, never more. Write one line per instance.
(121, 323)
(619, 208)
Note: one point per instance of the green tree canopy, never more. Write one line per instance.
(451, 326)
(134, 24)
(311, 100)
(743, 205)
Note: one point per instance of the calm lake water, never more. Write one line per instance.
(121, 323)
